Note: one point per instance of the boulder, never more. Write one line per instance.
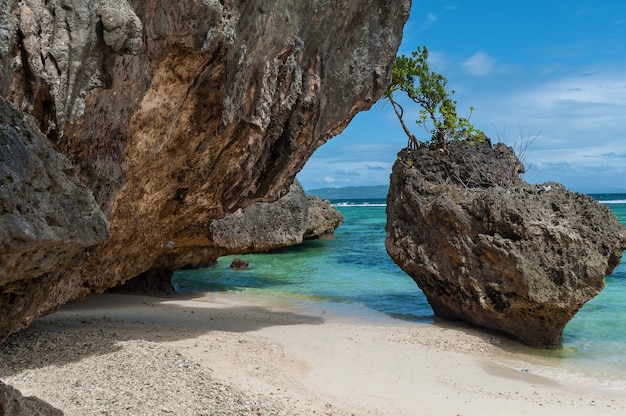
(12, 403)
(263, 226)
(491, 250)
(322, 219)
(176, 114)
(239, 264)
(287, 222)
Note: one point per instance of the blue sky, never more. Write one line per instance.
(549, 74)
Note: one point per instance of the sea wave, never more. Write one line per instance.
(613, 201)
(360, 204)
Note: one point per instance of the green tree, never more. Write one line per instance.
(413, 76)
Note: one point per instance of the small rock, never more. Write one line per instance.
(239, 264)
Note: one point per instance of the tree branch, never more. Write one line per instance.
(397, 108)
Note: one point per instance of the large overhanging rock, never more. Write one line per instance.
(177, 113)
(260, 227)
(488, 249)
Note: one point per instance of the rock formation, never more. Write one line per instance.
(264, 226)
(322, 219)
(48, 218)
(491, 250)
(12, 403)
(239, 264)
(260, 227)
(173, 115)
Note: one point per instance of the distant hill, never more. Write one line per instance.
(351, 192)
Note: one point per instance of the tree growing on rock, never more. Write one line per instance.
(427, 88)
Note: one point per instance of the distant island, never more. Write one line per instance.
(351, 192)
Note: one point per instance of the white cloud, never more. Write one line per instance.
(438, 61)
(586, 89)
(429, 20)
(340, 173)
(591, 179)
(479, 64)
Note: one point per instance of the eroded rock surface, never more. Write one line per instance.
(491, 250)
(260, 227)
(264, 226)
(175, 114)
(322, 219)
(13, 403)
(48, 218)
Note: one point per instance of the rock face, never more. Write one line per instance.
(260, 227)
(12, 403)
(491, 250)
(176, 114)
(48, 218)
(264, 226)
(322, 219)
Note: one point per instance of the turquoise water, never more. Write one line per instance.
(352, 269)
(353, 274)
(596, 337)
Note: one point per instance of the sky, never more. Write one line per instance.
(546, 77)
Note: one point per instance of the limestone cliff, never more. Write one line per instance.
(489, 249)
(175, 114)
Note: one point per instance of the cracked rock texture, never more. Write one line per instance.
(491, 250)
(176, 114)
(12, 403)
(48, 218)
(265, 226)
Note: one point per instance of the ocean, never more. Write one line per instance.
(353, 277)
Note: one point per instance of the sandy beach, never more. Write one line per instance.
(224, 354)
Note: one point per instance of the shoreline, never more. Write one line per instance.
(278, 358)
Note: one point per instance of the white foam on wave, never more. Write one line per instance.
(590, 377)
(360, 204)
(614, 201)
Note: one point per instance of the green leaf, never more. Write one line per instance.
(428, 89)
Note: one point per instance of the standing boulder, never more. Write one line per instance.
(239, 264)
(491, 250)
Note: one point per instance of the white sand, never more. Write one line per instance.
(301, 360)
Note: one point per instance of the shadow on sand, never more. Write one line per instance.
(98, 325)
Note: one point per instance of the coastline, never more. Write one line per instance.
(233, 354)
